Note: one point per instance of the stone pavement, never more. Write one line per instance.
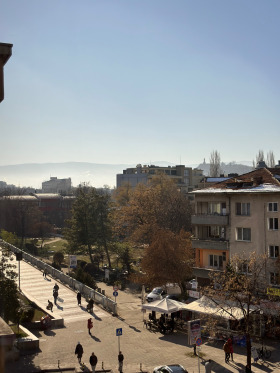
(141, 347)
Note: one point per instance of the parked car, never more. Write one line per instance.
(174, 368)
(156, 294)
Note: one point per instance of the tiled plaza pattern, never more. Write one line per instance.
(139, 345)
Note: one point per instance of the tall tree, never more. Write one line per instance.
(239, 290)
(169, 258)
(259, 158)
(158, 205)
(89, 226)
(9, 303)
(270, 160)
(215, 164)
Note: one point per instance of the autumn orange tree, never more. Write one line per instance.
(168, 259)
(147, 208)
(240, 293)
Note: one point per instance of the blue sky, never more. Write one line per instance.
(131, 81)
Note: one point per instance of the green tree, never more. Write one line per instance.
(9, 303)
(90, 226)
(58, 257)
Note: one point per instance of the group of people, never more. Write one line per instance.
(89, 305)
(55, 296)
(228, 349)
(93, 358)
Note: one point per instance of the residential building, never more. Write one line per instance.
(55, 185)
(238, 216)
(185, 178)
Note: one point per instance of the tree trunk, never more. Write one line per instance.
(90, 253)
(249, 352)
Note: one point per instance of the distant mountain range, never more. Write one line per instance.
(98, 175)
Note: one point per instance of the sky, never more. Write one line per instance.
(127, 81)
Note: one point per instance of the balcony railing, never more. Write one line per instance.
(209, 219)
(210, 244)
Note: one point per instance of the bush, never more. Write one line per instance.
(27, 314)
(58, 257)
(84, 277)
(56, 266)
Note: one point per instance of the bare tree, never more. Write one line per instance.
(239, 293)
(270, 160)
(215, 164)
(259, 157)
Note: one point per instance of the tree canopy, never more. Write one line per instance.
(9, 303)
(158, 205)
(89, 227)
(168, 259)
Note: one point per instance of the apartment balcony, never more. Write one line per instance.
(204, 272)
(209, 219)
(210, 244)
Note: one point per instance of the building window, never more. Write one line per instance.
(216, 261)
(273, 224)
(272, 206)
(243, 208)
(273, 251)
(214, 208)
(243, 234)
(244, 267)
(274, 278)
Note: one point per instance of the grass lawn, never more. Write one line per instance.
(38, 312)
(18, 332)
(52, 245)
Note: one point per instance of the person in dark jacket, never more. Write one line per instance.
(79, 352)
(55, 296)
(93, 362)
(79, 298)
(89, 325)
(120, 360)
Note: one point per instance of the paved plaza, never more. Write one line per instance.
(142, 349)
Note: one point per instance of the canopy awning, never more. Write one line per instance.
(207, 306)
(164, 305)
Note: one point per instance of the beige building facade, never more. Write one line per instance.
(237, 217)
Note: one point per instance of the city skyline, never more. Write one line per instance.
(119, 82)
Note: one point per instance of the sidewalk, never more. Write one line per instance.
(139, 345)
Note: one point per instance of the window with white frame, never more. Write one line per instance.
(242, 208)
(274, 278)
(273, 251)
(273, 224)
(243, 234)
(272, 206)
(216, 261)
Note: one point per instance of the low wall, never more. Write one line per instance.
(107, 303)
(27, 343)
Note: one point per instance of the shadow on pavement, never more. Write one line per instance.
(95, 338)
(59, 307)
(49, 332)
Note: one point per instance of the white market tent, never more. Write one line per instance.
(207, 306)
(164, 305)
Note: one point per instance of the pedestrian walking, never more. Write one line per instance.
(93, 362)
(208, 366)
(120, 360)
(56, 288)
(79, 352)
(50, 305)
(227, 351)
(90, 305)
(230, 348)
(55, 296)
(79, 298)
(89, 325)
(45, 273)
